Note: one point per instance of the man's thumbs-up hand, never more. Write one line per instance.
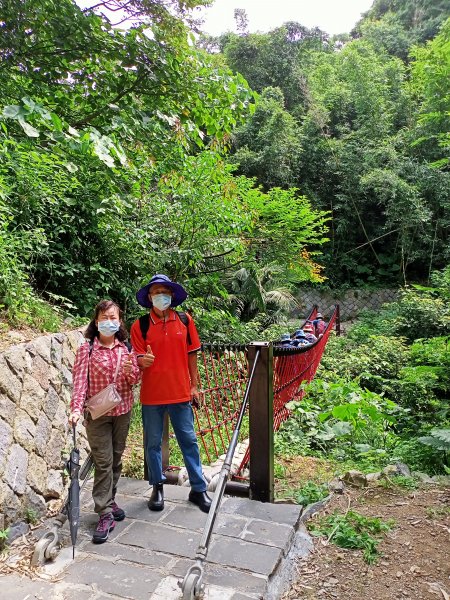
(148, 358)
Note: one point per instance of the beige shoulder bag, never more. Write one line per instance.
(107, 398)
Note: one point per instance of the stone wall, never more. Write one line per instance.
(351, 302)
(35, 389)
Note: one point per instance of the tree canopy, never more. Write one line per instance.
(362, 131)
(112, 144)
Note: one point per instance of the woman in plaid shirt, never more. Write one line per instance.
(94, 368)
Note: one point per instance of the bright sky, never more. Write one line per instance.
(332, 16)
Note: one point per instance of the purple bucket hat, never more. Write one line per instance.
(179, 293)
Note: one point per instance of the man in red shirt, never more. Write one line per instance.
(168, 358)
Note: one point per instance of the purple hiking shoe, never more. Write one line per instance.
(117, 512)
(105, 524)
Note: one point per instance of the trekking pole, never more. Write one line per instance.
(192, 583)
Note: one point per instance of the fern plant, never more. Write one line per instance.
(440, 440)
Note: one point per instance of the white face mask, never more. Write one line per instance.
(162, 301)
(109, 327)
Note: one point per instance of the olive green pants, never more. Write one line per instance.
(107, 437)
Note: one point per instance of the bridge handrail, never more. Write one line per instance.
(194, 575)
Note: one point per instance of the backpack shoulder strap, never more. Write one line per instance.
(129, 346)
(144, 324)
(185, 320)
(91, 346)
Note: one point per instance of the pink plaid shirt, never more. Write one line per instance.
(102, 365)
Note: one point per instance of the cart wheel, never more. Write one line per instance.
(190, 591)
(46, 548)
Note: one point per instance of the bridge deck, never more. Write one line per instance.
(251, 553)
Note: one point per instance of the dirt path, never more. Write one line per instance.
(414, 560)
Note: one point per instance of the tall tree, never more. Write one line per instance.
(430, 81)
(396, 25)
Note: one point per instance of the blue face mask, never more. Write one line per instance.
(109, 327)
(162, 301)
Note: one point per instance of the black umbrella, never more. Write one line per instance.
(73, 503)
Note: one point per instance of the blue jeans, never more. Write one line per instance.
(182, 419)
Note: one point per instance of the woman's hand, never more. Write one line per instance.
(74, 418)
(128, 366)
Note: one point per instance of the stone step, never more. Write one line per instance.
(251, 554)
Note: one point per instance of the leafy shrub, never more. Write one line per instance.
(419, 457)
(371, 361)
(31, 516)
(439, 439)
(291, 439)
(402, 481)
(418, 315)
(342, 421)
(17, 300)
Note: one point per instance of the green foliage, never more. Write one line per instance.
(31, 516)
(268, 146)
(419, 315)
(291, 439)
(112, 167)
(395, 25)
(353, 531)
(273, 59)
(430, 73)
(341, 121)
(365, 356)
(438, 438)
(419, 457)
(412, 375)
(3, 538)
(342, 421)
(440, 512)
(401, 481)
(310, 493)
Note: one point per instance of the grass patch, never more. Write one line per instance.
(400, 481)
(441, 512)
(353, 531)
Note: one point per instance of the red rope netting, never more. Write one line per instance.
(292, 367)
(223, 374)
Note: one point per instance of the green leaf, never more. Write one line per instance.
(29, 129)
(13, 111)
(71, 167)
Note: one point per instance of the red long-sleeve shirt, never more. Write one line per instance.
(102, 366)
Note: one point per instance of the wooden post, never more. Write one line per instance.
(261, 423)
